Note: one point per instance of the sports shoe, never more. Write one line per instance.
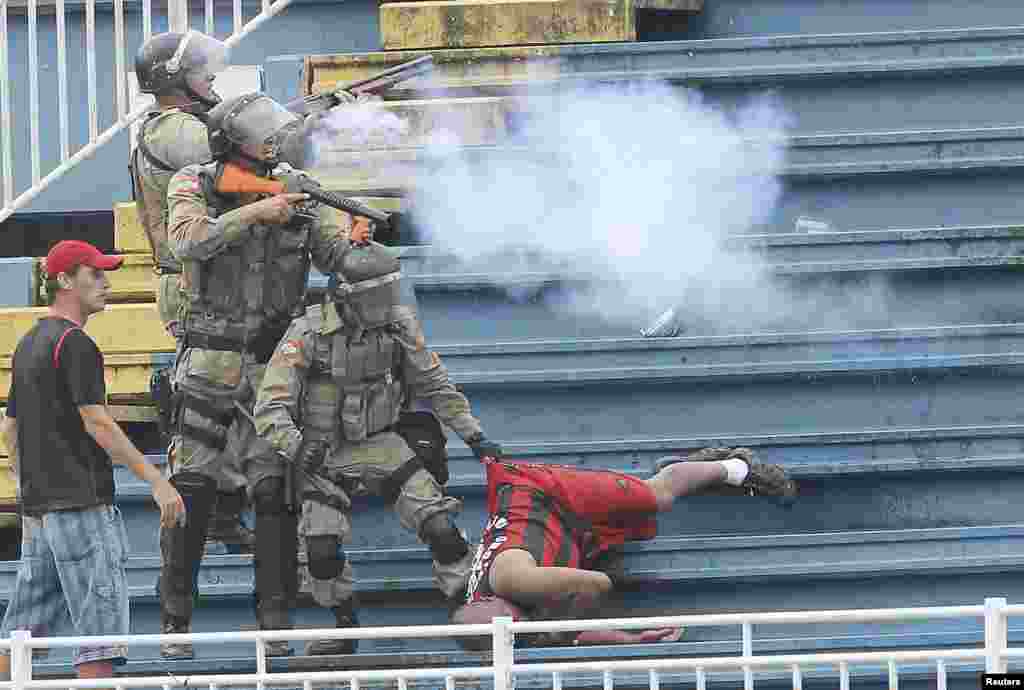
(763, 479)
(175, 650)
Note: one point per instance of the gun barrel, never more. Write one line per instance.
(378, 82)
(348, 205)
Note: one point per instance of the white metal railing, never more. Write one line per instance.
(177, 13)
(503, 670)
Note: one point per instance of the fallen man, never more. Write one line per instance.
(552, 544)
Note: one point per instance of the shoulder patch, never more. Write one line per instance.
(185, 183)
(290, 353)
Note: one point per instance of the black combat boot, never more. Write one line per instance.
(171, 624)
(344, 617)
(274, 615)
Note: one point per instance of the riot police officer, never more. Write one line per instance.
(179, 70)
(245, 260)
(346, 369)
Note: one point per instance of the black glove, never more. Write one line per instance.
(483, 448)
(311, 456)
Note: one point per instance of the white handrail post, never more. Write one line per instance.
(995, 635)
(5, 114)
(748, 651)
(21, 658)
(502, 652)
(177, 16)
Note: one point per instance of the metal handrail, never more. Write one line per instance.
(97, 140)
(993, 651)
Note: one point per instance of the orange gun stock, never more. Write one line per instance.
(233, 179)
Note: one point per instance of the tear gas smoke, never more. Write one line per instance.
(635, 187)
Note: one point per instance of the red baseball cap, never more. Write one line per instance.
(68, 253)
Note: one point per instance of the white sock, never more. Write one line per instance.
(736, 471)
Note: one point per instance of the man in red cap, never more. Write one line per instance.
(551, 548)
(63, 441)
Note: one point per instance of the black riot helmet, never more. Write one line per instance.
(256, 127)
(367, 290)
(175, 62)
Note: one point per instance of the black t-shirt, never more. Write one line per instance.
(57, 368)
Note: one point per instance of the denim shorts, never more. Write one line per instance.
(72, 580)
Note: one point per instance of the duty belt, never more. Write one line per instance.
(205, 341)
(262, 346)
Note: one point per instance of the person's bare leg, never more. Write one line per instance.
(685, 478)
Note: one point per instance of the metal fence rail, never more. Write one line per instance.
(503, 670)
(177, 14)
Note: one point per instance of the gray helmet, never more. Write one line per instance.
(164, 62)
(254, 126)
(368, 287)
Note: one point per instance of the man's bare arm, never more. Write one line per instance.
(108, 434)
(515, 575)
(10, 433)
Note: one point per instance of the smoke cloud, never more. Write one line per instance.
(636, 188)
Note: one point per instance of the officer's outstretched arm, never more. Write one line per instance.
(427, 378)
(329, 239)
(280, 393)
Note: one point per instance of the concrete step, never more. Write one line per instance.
(853, 493)
(831, 82)
(811, 158)
(401, 572)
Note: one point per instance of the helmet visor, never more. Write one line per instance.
(199, 51)
(258, 122)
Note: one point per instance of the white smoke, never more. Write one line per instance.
(359, 126)
(635, 186)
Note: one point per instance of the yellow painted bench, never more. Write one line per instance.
(476, 23)
(121, 329)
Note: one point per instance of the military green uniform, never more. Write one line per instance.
(348, 386)
(168, 141)
(245, 283)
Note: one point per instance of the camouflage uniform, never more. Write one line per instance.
(169, 140)
(245, 283)
(310, 378)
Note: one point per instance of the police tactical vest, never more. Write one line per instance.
(152, 197)
(248, 294)
(354, 385)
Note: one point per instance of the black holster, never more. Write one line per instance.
(166, 401)
(423, 433)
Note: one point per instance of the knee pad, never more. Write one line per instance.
(326, 557)
(268, 496)
(446, 542)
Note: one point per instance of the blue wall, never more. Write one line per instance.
(303, 28)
